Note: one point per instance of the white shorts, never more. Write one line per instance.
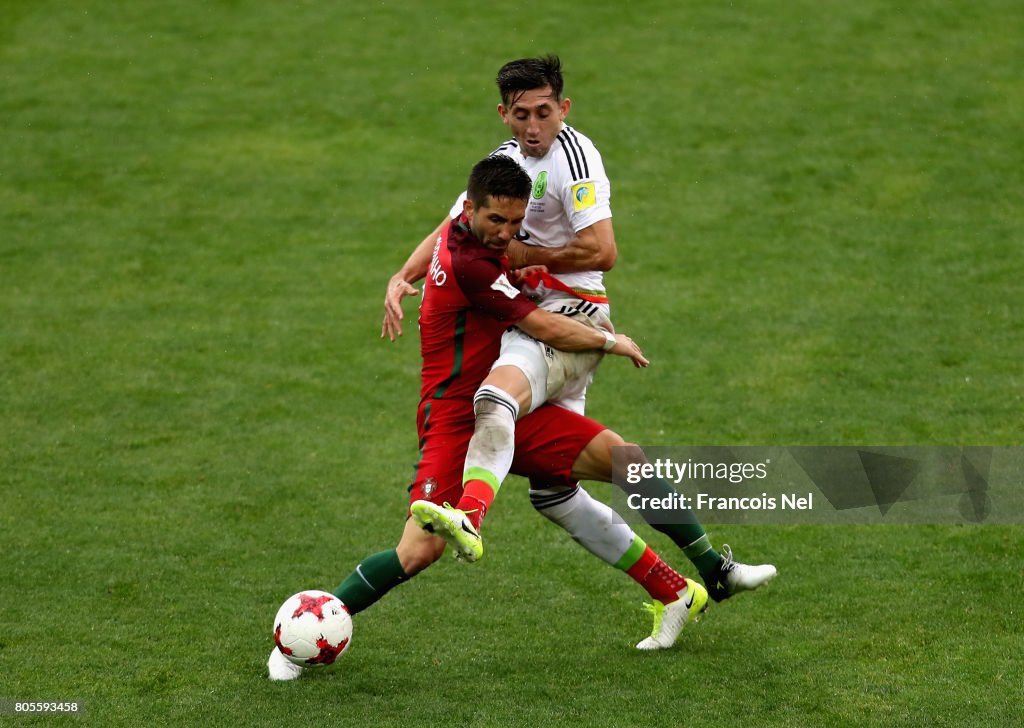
(555, 376)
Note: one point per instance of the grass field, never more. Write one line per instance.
(820, 215)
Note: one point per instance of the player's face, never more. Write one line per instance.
(535, 119)
(497, 221)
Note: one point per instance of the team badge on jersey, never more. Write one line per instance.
(584, 195)
(429, 487)
(540, 186)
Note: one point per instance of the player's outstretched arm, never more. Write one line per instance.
(400, 285)
(562, 332)
(593, 248)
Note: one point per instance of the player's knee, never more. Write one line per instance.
(631, 452)
(609, 442)
(596, 462)
(628, 454)
(493, 402)
(496, 414)
(550, 496)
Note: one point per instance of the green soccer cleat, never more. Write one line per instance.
(452, 525)
(669, 619)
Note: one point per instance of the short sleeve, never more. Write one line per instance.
(587, 199)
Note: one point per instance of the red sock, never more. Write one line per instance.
(477, 497)
(660, 580)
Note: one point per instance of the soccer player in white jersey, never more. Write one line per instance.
(568, 230)
(568, 226)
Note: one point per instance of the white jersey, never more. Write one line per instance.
(570, 192)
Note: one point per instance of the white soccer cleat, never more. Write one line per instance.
(733, 577)
(280, 667)
(669, 619)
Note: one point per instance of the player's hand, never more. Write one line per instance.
(398, 289)
(520, 273)
(625, 346)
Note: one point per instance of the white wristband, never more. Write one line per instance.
(609, 340)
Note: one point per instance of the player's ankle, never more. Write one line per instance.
(474, 510)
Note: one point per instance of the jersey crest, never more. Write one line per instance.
(540, 185)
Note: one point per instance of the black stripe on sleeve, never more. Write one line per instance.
(576, 144)
(571, 155)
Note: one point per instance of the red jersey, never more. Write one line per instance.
(468, 302)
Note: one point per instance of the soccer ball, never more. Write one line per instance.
(312, 628)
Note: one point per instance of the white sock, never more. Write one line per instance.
(493, 444)
(590, 522)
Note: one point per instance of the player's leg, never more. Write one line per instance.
(597, 528)
(595, 463)
(497, 403)
(517, 383)
(381, 572)
(526, 374)
(496, 406)
(430, 508)
(723, 575)
(550, 441)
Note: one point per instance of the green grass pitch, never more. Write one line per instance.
(820, 213)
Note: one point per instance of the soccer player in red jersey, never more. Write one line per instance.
(551, 442)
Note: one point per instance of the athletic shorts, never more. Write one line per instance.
(559, 377)
(548, 442)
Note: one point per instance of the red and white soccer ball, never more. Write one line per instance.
(312, 628)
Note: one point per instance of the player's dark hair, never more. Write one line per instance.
(497, 176)
(517, 77)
